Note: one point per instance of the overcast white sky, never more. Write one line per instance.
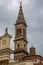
(33, 12)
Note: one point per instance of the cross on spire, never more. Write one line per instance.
(20, 3)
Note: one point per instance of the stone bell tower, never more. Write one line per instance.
(5, 50)
(20, 36)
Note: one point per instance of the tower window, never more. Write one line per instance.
(18, 45)
(35, 60)
(24, 45)
(18, 31)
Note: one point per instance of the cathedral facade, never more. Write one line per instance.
(21, 55)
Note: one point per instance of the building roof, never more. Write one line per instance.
(32, 47)
(33, 57)
(39, 64)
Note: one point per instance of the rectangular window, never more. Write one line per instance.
(18, 31)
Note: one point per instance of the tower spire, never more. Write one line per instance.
(20, 15)
(21, 19)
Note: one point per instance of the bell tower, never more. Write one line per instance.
(20, 36)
